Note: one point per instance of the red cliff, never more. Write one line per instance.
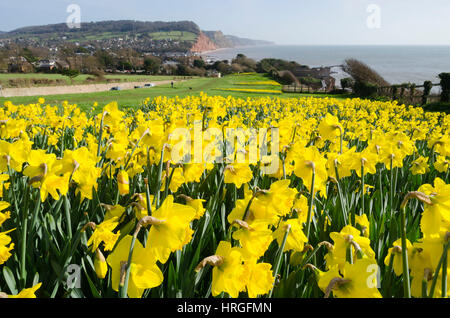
(203, 44)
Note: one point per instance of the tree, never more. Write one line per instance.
(445, 85)
(71, 73)
(28, 54)
(199, 63)
(125, 65)
(269, 64)
(105, 59)
(224, 68)
(181, 70)
(361, 72)
(91, 64)
(248, 64)
(152, 65)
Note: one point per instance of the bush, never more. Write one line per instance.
(285, 77)
(362, 73)
(438, 107)
(445, 85)
(427, 86)
(366, 90)
(248, 64)
(310, 81)
(199, 63)
(347, 82)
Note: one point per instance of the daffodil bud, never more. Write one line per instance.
(123, 182)
(100, 265)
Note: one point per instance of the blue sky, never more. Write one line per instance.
(414, 22)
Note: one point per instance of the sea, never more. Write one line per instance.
(396, 64)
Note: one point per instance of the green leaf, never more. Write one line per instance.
(94, 290)
(126, 229)
(10, 281)
(36, 279)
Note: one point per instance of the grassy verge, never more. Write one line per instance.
(81, 79)
(134, 98)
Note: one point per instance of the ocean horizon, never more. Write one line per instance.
(396, 63)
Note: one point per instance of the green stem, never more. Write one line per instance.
(147, 194)
(11, 176)
(68, 218)
(363, 185)
(23, 250)
(279, 256)
(444, 274)
(349, 254)
(23, 243)
(168, 181)
(391, 195)
(306, 260)
(438, 269)
(406, 278)
(123, 289)
(311, 204)
(381, 191)
(100, 137)
(389, 275)
(424, 288)
(341, 197)
(62, 142)
(134, 149)
(158, 183)
(247, 209)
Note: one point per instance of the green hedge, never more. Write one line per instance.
(445, 85)
(362, 89)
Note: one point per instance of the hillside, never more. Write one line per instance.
(180, 36)
(113, 27)
(229, 41)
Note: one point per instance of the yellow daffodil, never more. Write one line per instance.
(104, 233)
(144, 273)
(174, 232)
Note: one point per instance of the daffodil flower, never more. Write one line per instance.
(174, 232)
(144, 273)
(358, 280)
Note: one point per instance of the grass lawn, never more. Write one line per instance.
(134, 98)
(81, 79)
(174, 35)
